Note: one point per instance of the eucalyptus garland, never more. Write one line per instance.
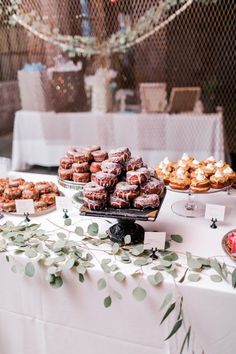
(71, 247)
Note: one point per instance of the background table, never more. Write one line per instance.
(43, 138)
(35, 318)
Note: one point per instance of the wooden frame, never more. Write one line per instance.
(183, 99)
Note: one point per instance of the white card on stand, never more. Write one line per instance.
(24, 206)
(215, 211)
(154, 240)
(63, 203)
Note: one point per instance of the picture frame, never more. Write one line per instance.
(183, 99)
(153, 97)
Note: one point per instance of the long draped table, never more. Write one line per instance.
(42, 138)
(35, 318)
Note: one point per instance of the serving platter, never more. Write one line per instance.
(70, 184)
(226, 247)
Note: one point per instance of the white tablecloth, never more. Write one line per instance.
(35, 318)
(43, 138)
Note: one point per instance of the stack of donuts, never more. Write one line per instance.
(80, 164)
(42, 193)
(122, 183)
(198, 176)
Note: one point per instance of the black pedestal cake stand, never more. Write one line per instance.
(126, 218)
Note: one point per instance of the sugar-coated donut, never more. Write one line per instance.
(106, 179)
(82, 156)
(94, 204)
(95, 167)
(111, 167)
(134, 163)
(146, 201)
(139, 176)
(26, 185)
(80, 167)
(118, 203)
(12, 193)
(126, 191)
(65, 173)
(92, 148)
(119, 155)
(15, 182)
(66, 163)
(30, 193)
(43, 187)
(93, 191)
(99, 155)
(81, 177)
(93, 177)
(153, 186)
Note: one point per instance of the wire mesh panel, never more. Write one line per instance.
(196, 48)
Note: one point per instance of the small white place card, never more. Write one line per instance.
(215, 211)
(154, 240)
(63, 203)
(24, 206)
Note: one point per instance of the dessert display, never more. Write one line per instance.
(123, 182)
(229, 244)
(42, 193)
(79, 164)
(188, 173)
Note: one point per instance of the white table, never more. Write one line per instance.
(43, 138)
(35, 318)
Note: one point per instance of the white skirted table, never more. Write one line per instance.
(42, 138)
(35, 318)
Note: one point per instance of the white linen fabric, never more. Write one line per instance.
(42, 138)
(35, 318)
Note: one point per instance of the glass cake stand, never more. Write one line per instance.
(190, 207)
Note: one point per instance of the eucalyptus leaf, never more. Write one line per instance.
(141, 262)
(57, 283)
(114, 267)
(107, 301)
(115, 248)
(81, 277)
(172, 256)
(176, 327)
(168, 312)
(29, 270)
(61, 235)
(127, 239)
(67, 222)
(70, 263)
(52, 270)
(119, 276)
(92, 229)
(216, 278)
(217, 267)
(177, 238)
(81, 269)
(79, 231)
(194, 277)
(234, 278)
(139, 293)
(30, 252)
(166, 300)
(101, 284)
(193, 263)
(137, 250)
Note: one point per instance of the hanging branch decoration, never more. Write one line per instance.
(154, 19)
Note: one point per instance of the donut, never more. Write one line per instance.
(94, 192)
(40, 205)
(80, 167)
(9, 206)
(139, 176)
(126, 191)
(12, 193)
(70, 153)
(94, 204)
(119, 155)
(82, 156)
(66, 163)
(146, 201)
(134, 163)
(180, 183)
(99, 155)
(153, 172)
(95, 167)
(81, 177)
(230, 174)
(65, 174)
(43, 187)
(49, 198)
(93, 177)
(194, 165)
(106, 179)
(30, 193)
(15, 182)
(26, 185)
(209, 170)
(200, 184)
(92, 148)
(153, 186)
(118, 203)
(164, 174)
(111, 167)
